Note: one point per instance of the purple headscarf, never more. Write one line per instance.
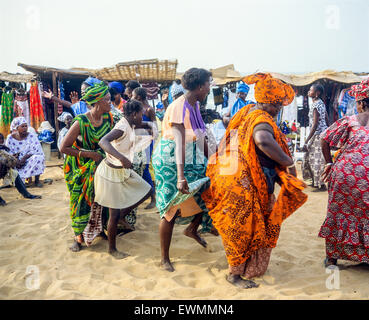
(18, 121)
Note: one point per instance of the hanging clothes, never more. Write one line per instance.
(152, 89)
(61, 95)
(37, 114)
(346, 104)
(42, 100)
(7, 111)
(21, 106)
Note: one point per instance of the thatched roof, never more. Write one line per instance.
(47, 71)
(221, 75)
(16, 77)
(226, 74)
(142, 70)
(305, 79)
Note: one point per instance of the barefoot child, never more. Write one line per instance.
(117, 186)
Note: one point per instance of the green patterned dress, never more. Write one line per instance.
(7, 112)
(167, 194)
(79, 172)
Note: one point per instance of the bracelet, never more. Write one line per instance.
(181, 180)
(328, 164)
(79, 154)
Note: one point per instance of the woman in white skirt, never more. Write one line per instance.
(117, 186)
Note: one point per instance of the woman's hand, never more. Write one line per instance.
(326, 172)
(22, 162)
(182, 186)
(126, 163)
(74, 97)
(95, 156)
(47, 94)
(305, 148)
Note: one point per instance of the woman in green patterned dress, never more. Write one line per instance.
(83, 155)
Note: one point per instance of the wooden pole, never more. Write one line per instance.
(55, 92)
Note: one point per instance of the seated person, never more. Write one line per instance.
(26, 147)
(9, 174)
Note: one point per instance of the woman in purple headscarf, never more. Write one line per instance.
(179, 162)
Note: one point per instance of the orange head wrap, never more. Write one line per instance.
(270, 90)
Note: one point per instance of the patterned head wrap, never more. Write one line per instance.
(117, 86)
(177, 89)
(243, 87)
(95, 93)
(18, 121)
(360, 91)
(92, 81)
(270, 90)
(64, 116)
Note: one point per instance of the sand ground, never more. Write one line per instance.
(38, 233)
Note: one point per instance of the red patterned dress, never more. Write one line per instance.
(346, 227)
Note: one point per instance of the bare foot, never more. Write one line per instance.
(214, 231)
(76, 246)
(117, 254)
(166, 265)
(125, 225)
(237, 281)
(151, 205)
(194, 235)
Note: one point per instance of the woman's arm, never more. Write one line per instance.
(326, 150)
(70, 138)
(152, 114)
(315, 125)
(179, 139)
(203, 146)
(53, 98)
(266, 143)
(105, 144)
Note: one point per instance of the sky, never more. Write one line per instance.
(287, 36)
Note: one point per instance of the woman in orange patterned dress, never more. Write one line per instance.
(252, 156)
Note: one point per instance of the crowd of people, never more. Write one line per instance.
(226, 188)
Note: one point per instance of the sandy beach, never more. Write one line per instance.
(38, 233)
